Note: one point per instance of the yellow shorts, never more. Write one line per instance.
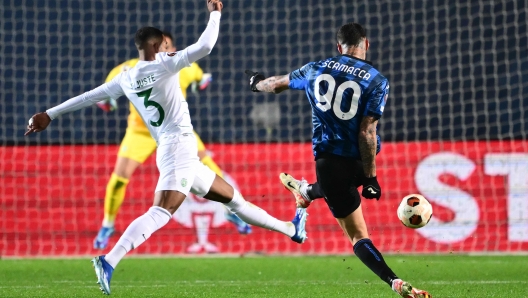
(139, 145)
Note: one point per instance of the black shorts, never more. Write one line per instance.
(339, 177)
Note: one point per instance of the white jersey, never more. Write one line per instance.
(154, 89)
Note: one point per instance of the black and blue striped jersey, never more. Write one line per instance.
(342, 90)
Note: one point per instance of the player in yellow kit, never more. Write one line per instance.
(138, 145)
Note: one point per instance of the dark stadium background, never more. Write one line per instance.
(461, 77)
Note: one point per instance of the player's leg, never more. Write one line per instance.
(166, 202)
(355, 228)
(303, 192)
(212, 187)
(242, 227)
(177, 171)
(337, 178)
(116, 188)
(177, 167)
(135, 148)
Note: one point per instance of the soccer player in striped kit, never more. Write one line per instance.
(348, 96)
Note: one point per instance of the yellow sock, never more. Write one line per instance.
(211, 164)
(115, 194)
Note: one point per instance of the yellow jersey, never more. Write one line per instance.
(188, 75)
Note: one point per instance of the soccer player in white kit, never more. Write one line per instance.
(153, 87)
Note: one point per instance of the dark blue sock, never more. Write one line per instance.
(314, 191)
(372, 258)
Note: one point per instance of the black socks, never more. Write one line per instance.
(372, 258)
(314, 191)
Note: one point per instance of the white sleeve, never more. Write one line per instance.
(181, 59)
(111, 89)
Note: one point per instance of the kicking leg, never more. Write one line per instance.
(355, 229)
(303, 192)
(210, 186)
(242, 227)
(222, 192)
(339, 183)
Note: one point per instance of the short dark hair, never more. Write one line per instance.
(351, 34)
(143, 35)
(168, 34)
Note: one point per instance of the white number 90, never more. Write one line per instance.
(324, 101)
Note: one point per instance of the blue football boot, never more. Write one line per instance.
(299, 221)
(104, 271)
(101, 241)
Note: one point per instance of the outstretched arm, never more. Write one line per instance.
(40, 121)
(259, 83)
(275, 84)
(297, 80)
(207, 40)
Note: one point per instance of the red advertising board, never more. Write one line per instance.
(51, 200)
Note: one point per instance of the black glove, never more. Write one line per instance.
(254, 78)
(371, 188)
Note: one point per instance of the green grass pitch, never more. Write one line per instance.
(305, 276)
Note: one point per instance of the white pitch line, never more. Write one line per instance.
(94, 286)
(85, 284)
(476, 282)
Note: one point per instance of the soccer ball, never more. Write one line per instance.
(415, 211)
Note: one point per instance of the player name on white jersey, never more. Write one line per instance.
(153, 87)
(143, 82)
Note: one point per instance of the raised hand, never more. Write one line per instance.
(214, 5)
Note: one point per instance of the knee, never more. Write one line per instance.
(124, 171)
(202, 154)
(220, 191)
(169, 200)
(125, 167)
(218, 197)
(170, 205)
(161, 216)
(170, 208)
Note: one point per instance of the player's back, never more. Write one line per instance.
(342, 90)
(153, 88)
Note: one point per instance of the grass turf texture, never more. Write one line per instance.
(336, 276)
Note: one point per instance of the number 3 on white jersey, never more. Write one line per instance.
(150, 103)
(324, 101)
